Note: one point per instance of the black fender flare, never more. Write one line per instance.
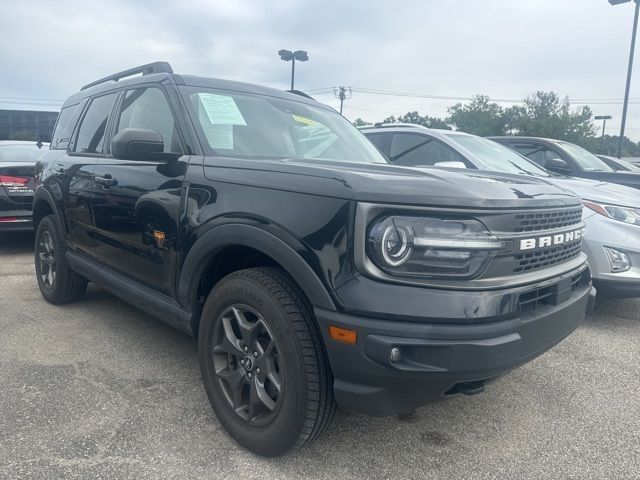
(43, 195)
(236, 234)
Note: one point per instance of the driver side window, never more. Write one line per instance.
(148, 108)
(538, 153)
(421, 150)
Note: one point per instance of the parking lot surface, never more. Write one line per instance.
(98, 389)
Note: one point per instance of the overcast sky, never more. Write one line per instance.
(506, 49)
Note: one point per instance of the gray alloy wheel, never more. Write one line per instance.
(47, 256)
(248, 365)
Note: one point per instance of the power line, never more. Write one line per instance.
(371, 91)
(21, 99)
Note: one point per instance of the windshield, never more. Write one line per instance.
(587, 160)
(258, 126)
(20, 153)
(497, 157)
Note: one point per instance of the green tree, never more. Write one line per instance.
(417, 119)
(358, 122)
(610, 146)
(545, 114)
(479, 117)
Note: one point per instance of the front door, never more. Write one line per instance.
(137, 203)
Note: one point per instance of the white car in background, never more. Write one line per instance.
(611, 211)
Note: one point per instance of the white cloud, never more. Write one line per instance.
(502, 48)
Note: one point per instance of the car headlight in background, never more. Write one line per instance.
(618, 261)
(431, 246)
(622, 214)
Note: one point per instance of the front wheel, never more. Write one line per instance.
(263, 364)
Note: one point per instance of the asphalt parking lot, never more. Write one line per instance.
(98, 389)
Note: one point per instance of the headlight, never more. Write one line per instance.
(622, 214)
(431, 247)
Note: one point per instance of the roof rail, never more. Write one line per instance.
(391, 125)
(302, 94)
(155, 67)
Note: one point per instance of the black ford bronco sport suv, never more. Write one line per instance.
(311, 271)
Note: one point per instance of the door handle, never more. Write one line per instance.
(106, 181)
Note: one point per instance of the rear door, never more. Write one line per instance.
(137, 203)
(73, 171)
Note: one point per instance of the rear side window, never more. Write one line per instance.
(414, 150)
(92, 130)
(64, 127)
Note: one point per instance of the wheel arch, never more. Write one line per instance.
(43, 205)
(267, 248)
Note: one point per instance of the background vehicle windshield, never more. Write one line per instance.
(249, 125)
(20, 153)
(497, 157)
(585, 159)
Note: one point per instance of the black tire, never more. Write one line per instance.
(58, 284)
(305, 403)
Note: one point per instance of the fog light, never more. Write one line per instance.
(395, 355)
(619, 261)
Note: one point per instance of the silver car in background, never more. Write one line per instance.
(611, 211)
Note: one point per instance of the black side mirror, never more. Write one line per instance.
(557, 165)
(136, 144)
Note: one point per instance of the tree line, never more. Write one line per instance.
(544, 114)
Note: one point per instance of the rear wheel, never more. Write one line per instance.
(263, 364)
(58, 284)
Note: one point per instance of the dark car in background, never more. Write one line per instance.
(619, 164)
(17, 163)
(565, 158)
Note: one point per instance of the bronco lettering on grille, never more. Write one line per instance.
(551, 240)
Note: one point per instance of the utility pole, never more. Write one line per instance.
(343, 93)
(604, 119)
(629, 69)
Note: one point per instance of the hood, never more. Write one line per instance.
(385, 183)
(600, 192)
(630, 179)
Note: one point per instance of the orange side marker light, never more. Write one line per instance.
(343, 335)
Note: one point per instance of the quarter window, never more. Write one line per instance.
(94, 124)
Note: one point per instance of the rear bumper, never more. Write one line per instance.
(440, 360)
(16, 220)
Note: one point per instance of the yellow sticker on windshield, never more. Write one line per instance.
(304, 120)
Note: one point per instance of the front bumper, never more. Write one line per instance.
(438, 360)
(605, 232)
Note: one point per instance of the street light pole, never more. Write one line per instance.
(293, 71)
(604, 119)
(289, 56)
(629, 70)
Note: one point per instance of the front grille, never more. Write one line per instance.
(535, 222)
(526, 262)
(554, 294)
